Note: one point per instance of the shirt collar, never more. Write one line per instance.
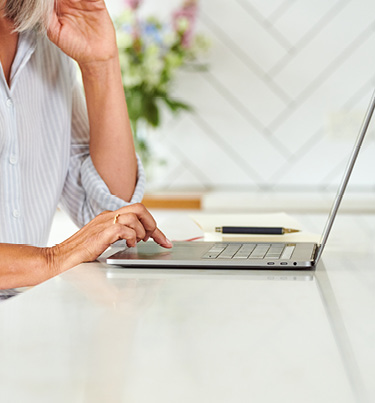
(25, 48)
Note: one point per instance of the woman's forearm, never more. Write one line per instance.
(23, 265)
(85, 32)
(111, 142)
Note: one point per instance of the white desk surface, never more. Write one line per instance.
(103, 334)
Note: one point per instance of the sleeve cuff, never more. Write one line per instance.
(98, 194)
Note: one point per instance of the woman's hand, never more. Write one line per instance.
(132, 223)
(24, 265)
(83, 30)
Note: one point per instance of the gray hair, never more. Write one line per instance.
(28, 14)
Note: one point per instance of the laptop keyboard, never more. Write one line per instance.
(250, 251)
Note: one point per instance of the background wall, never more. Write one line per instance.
(282, 102)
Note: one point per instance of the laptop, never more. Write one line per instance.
(242, 255)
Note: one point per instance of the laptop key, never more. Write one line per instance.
(215, 251)
(229, 252)
(248, 247)
(244, 251)
(219, 247)
(259, 251)
(209, 255)
(288, 251)
(274, 251)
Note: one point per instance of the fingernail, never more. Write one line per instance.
(168, 242)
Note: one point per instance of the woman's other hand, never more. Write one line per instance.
(83, 30)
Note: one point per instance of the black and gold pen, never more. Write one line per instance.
(255, 230)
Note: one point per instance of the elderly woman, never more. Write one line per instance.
(58, 146)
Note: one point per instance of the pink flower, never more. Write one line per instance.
(133, 4)
(184, 21)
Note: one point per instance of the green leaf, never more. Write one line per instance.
(135, 104)
(151, 111)
(176, 106)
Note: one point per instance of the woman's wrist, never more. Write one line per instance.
(101, 69)
(53, 260)
(60, 257)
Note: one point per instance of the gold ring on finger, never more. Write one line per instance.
(116, 218)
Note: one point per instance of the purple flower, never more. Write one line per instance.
(184, 21)
(133, 4)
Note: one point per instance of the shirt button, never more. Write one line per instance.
(9, 103)
(13, 159)
(16, 213)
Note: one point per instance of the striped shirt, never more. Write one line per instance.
(44, 151)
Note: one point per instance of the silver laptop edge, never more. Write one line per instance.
(346, 177)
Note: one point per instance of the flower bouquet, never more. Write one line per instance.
(151, 53)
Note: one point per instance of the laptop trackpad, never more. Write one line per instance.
(152, 251)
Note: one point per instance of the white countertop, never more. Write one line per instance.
(105, 334)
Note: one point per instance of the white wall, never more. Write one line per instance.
(283, 99)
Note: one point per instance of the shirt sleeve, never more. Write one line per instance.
(85, 194)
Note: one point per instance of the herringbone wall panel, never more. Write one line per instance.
(282, 101)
